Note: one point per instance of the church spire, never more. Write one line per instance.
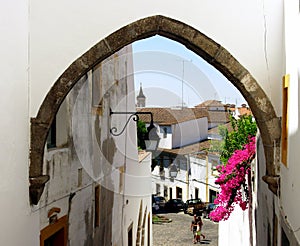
(141, 94)
(141, 99)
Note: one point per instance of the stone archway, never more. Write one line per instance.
(209, 50)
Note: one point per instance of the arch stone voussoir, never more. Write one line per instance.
(190, 37)
(194, 40)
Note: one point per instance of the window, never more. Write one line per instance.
(196, 193)
(97, 206)
(165, 130)
(212, 195)
(165, 191)
(158, 189)
(51, 138)
(166, 161)
(178, 192)
(284, 128)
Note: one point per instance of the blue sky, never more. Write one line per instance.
(169, 72)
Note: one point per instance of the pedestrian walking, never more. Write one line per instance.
(196, 228)
(193, 227)
(198, 231)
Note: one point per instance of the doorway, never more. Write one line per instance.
(178, 192)
(171, 193)
(55, 234)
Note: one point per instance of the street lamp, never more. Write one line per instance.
(151, 137)
(173, 171)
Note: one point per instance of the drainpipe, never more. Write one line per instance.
(188, 177)
(206, 178)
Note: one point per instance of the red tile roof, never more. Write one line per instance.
(169, 116)
(210, 103)
(244, 111)
(218, 117)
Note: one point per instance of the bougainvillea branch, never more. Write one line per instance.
(232, 181)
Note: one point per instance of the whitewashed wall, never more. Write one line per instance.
(20, 226)
(184, 133)
(290, 181)
(198, 176)
(263, 201)
(138, 195)
(235, 230)
(201, 174)
(165, 141)
(189, 132)
(43, 38)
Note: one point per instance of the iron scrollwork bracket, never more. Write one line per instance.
(133, 115)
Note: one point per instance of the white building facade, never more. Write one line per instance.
(186, 173)
(189, 132)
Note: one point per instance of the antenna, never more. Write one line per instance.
(182, 80)
(182, 84)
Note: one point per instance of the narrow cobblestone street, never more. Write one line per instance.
(178, 231)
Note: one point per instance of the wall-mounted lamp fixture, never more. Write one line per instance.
(151, 137)
(173, 171)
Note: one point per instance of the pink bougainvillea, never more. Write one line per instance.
(232, 179)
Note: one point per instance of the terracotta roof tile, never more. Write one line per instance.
(218, 117)
(169, 116)
(210, 103)
(244, 111)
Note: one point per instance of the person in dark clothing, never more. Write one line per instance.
(196, 227)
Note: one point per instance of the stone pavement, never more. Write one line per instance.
(178, 231)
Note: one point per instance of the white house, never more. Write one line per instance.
(178, 127)
(185, 173)
(47, 46)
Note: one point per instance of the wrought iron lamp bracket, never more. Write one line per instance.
(133, 115)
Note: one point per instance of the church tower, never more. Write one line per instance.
(141, 99)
